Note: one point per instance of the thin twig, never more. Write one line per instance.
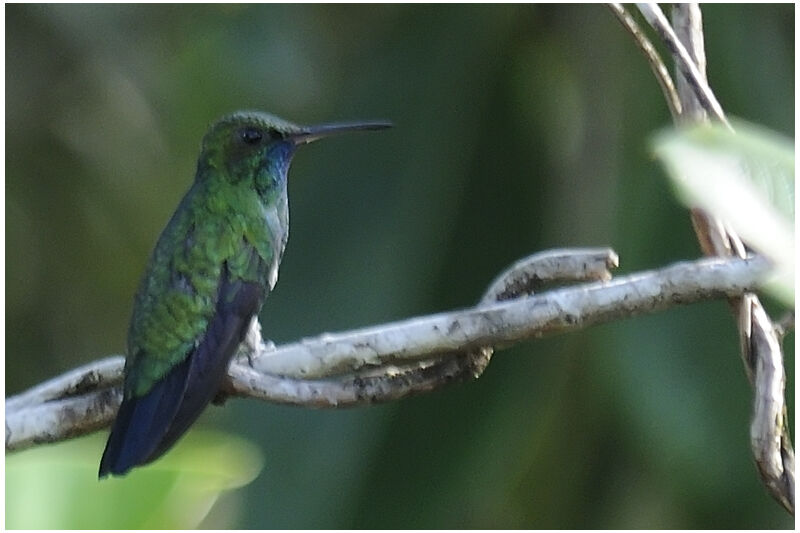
(761, 351)
(655, 17)
(760, 340)
(770, 441)
(687, 22)
(653, 59)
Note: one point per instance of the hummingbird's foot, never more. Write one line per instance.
(254, 344)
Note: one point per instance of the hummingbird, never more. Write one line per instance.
(207, 278)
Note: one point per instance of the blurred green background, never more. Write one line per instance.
(517, 129)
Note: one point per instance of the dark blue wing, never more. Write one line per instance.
(239, 302)
(147, 426)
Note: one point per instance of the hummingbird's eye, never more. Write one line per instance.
(251, 135)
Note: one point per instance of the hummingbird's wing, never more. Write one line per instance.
(147, 426)
(238, 303)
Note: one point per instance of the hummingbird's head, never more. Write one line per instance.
(247, 143)
(240, 143)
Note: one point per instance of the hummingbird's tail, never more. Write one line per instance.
(147, 426)
(142, 422)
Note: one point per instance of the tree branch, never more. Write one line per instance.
(412, 356)
(761, 351)
(683, 60)
(651, 54)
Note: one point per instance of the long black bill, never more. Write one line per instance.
(312, 133)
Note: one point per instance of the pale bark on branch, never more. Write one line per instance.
(414, 356)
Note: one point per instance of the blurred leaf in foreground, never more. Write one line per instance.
(746, 179)
(56, 486)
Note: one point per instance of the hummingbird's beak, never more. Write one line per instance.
(312, 133)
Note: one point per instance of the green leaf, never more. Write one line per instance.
(56, 486)
(746, 179)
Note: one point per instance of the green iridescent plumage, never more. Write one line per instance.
(211, 270)
(220, 221)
